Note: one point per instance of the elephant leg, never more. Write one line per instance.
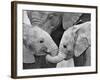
(30, 66)
(42, 63)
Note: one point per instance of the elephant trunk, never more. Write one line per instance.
(55, 59)
(52, 47)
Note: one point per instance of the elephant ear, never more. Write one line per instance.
(69, 19)
(81, 40)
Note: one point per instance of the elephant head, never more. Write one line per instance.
(39, 41)
(74, 42)
(47, 20)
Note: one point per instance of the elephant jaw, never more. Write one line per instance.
(56, 59)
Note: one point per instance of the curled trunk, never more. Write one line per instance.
(56, 59)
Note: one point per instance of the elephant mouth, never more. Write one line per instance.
(52, 52)
(42, 51)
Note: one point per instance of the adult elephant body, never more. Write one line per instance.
(75, 41)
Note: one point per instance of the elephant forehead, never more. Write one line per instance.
(67, 34)
(67, 38)
(38, 33)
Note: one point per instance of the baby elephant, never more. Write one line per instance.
(75, 41)
(40, 41)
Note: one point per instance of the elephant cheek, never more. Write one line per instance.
(68, 52)
(63, 50)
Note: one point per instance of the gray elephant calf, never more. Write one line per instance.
(40, 43)
(75, 41)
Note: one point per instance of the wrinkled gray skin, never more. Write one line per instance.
(46, 20)
(49, 21)
(39, 41)
(74, 42)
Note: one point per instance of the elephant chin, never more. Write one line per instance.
(56, 59)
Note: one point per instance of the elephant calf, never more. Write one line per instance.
(75, 41)
(40, 43)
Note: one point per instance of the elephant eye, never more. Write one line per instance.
(65, 46)
(41, 41)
